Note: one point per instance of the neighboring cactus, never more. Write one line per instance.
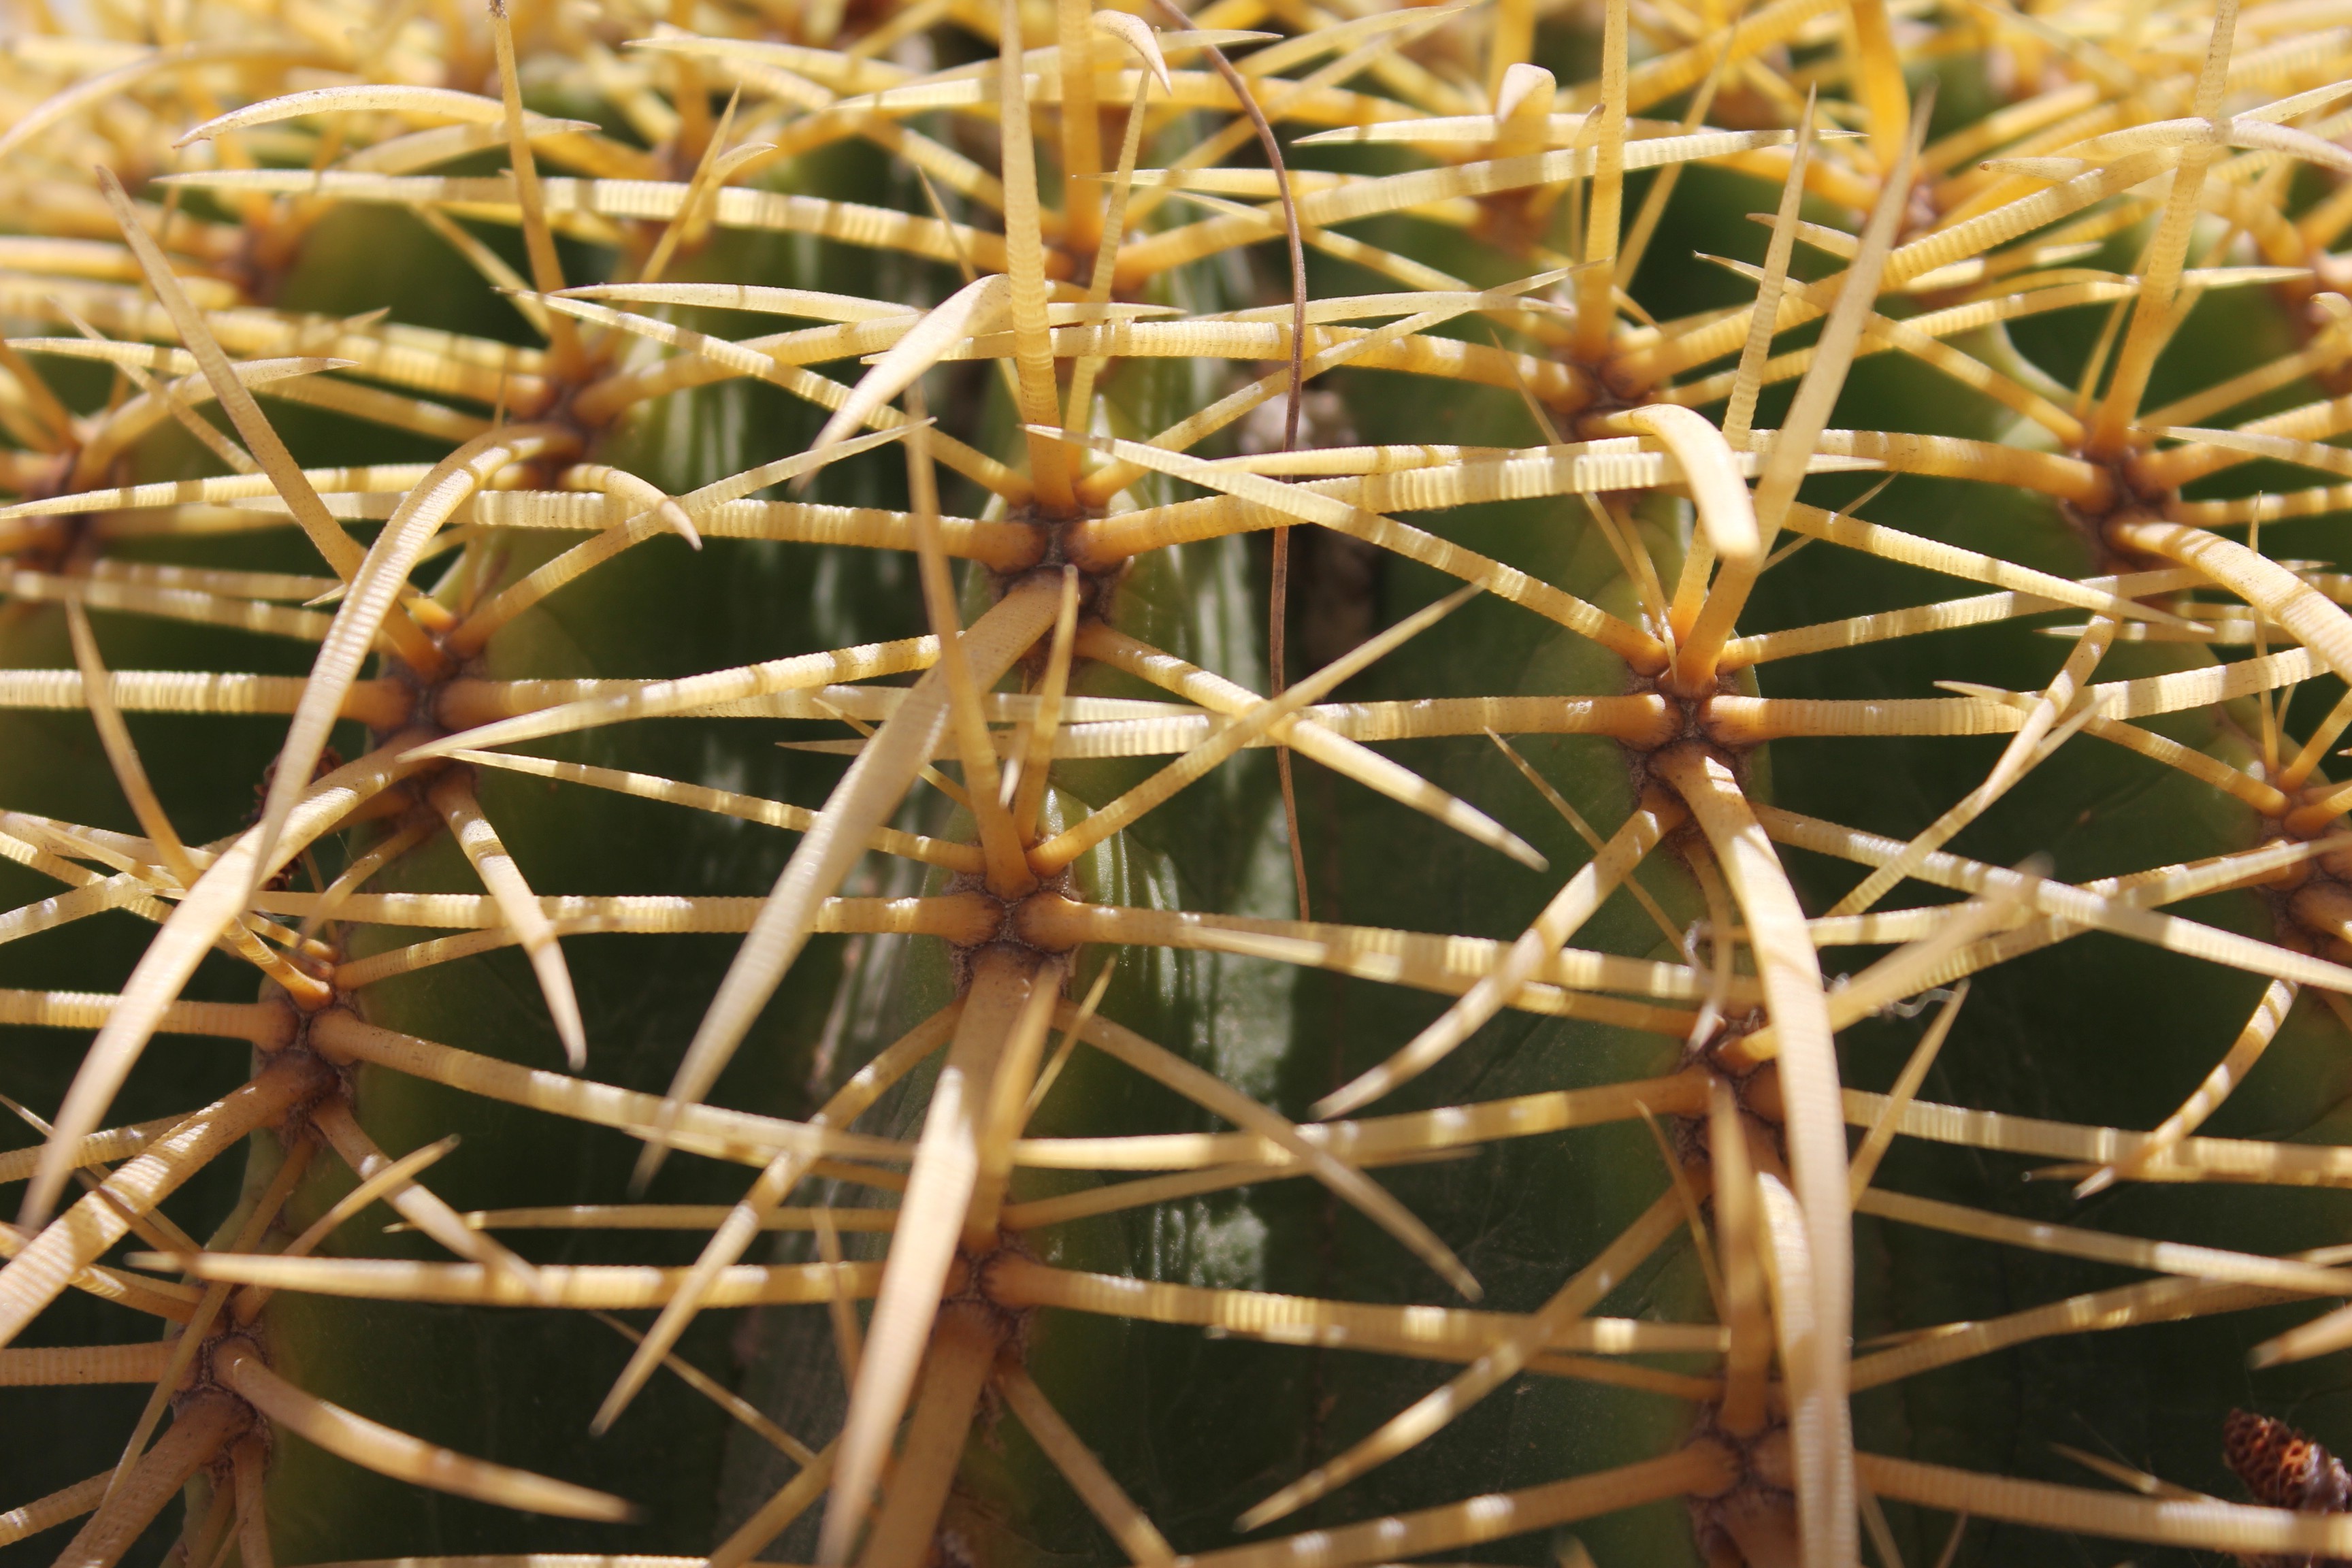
(1043, 1229)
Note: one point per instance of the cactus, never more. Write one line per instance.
(1521, 1217)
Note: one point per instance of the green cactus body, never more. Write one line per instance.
(1662, 1369)
(677, 611)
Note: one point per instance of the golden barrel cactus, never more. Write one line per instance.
(1576, 679)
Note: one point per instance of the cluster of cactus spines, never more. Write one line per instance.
(2181, 133)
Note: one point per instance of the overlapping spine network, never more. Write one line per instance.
(986, 783)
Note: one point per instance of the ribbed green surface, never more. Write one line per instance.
(1197, 1428)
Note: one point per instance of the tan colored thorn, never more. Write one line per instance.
(1433, 1412)
(1212, 1093)
(64, 1365)
(1081, 149)
(164, 1299)
(342, 554)
(123, 754)
(121, 425)
(739, 1409)
(1002, 852)
(738, 1226)
(863, 800)
(1370, 41)
(710, 359)
(1802, 428)
(354, 876)
(1116, 1197)
(370, 604)
(1702, 1468)
(964, 916)
(2014, 600)
(1391, 344)
(1379, 1138)
(611, 1287)
(1060, 1057)
(1821, 1429)
(767, 1522)
(453, 796)
(344, 1037)
(538, 240)
(2216, 1526)
(1435, 1334)
(2160, 266)
(1764, 318)
(1447, 964)
(1721, 923)
(2253, 1039)
(660, 514)
(2037, 740)
(1350, 201)
(380, 1448)
(197, 1333)
(36, 417)
(1876, 72)
(713, 169)
(954, 791)
(2329, 1331)
(1072, 842)
(1667, 928)
(2308, 614)
(1690, 1192)
(667, 1216)
(1509, 41)
(54, 1508)
(955, 856)
(364, 98)
(1051, 467)
(416, 1203)
(960, 918)
(1136, 34)
(384, 1179)
(2111, 906)
(2219, 1265)
(963, 1352)
(502, 713)
(1880, 1136)
(1034, 758)
(1576, 903)
(1006, 1107)
(248, 1462)
(1787, 1258)
(1523, 100)
(1710, 337)
(1662, 189)
(969, 311)
(1308, 734)
(1104, 1496)
(50, 1262)
(2325, 735)
(1727, 517)
(172, 603)
(204, 1427)
(1645, 652)
(1596, 308)
(209, 1541)
(262, 1023)
(848, 1335)
(939, 1187)
(1740, 1222)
